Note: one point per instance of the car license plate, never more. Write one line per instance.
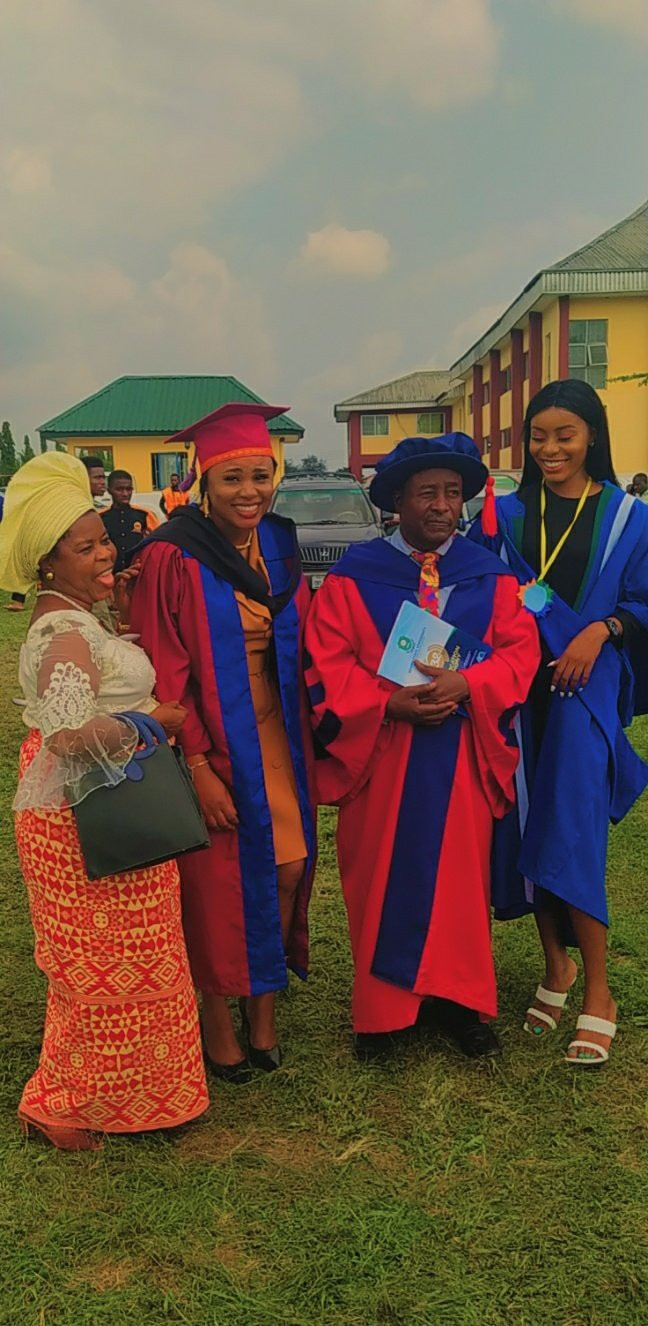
(316, 581)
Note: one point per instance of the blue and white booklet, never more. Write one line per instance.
(418, 635)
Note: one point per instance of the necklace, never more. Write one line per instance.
(547, 562)
(45, 593)
(242, 547)
(536, 596)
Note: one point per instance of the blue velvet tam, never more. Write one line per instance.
(452, 451)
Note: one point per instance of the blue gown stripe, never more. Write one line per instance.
(265, 952)
(409, 896)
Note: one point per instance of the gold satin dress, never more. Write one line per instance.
(279, 775)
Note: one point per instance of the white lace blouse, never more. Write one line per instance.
(75, 678)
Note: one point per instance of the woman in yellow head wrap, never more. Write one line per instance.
(121, 1047)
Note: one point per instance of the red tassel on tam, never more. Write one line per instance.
(489, 515)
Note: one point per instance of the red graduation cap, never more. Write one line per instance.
(235, 430)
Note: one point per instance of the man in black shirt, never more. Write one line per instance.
(127, 525)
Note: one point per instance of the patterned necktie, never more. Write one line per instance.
(428, 590)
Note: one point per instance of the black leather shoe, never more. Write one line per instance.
(370, 1046)
(475, 1039)
(237, 1073)
(267, 1060)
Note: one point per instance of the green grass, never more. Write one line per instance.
(429, 1191)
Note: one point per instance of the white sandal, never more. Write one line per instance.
(604, 1028)
(555, 1000)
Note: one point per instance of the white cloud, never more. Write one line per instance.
(94, 324)
(26, 172)
(334, 250)
(438, 52)
(627, 16)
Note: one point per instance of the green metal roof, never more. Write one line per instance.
(154, 405)
(622, 248)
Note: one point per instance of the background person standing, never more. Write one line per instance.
(127, 525)
(173, 496)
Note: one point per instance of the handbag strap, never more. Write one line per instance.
(151, 735)
(150, 731)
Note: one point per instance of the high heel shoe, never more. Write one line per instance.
(238, 1074)
(267, 1060)
(64, 1139)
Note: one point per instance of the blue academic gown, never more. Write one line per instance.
(586, 772)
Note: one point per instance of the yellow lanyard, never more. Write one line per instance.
(545, 562)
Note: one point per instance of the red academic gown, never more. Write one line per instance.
(416, 804)
(190, 626)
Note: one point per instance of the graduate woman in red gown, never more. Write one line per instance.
(220, 605)
(419, 773)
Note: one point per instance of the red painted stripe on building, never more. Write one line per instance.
(478, 405)
(563, 336)
(495, 393)
(354, 445)
(517, 406)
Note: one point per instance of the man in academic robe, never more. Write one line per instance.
(419, 772)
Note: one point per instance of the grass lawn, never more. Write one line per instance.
(429, 1191)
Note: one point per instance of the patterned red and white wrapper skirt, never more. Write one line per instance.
(121, 1048)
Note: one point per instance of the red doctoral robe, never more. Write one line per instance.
(416, 804)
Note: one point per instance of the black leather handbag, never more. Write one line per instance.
(150, 817)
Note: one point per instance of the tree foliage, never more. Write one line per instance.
(313, 466)
(8, 459)
(27, 451)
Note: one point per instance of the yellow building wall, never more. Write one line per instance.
(626, 402)
(550, 330)
(402, 423)
(134, 454)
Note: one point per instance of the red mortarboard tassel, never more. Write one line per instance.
(489, 514)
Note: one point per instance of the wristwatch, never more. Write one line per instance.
(613, 628)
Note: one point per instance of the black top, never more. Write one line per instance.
(127, 527)
(566, 574)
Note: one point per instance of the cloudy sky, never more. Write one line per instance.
(312, 195)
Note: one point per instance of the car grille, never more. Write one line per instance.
(322, 554)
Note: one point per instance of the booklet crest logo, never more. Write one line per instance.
(437, 656)
(405, 643)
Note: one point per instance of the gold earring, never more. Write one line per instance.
(49, 576)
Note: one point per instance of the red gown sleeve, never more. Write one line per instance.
(497, 688)
(347, 700)
(156, 614)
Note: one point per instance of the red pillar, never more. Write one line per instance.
(517, 407)
(478, 405)
(354, 445)
(495, 393)
(535, 353)
(563, 336)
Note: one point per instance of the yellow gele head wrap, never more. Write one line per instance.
(43, 499)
